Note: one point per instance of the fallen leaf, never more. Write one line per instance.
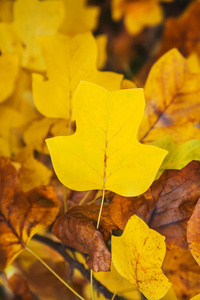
(182, 32)
(69, 60)
(193, 236)
(184, 273)
(138, 255)
(9, 66)
(77, 229)
(20, 288)
(21, 214)
(36, 133)
(172, 97)
(137, 14)
(33, 173)
(41, 281)
(31, 18)
(174, 196)
(104, 152)
(79, 17)
(179, 155)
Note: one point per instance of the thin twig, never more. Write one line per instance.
(61, 249)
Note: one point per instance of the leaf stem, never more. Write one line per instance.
(55, 274)
(91, 284)
(101, 207)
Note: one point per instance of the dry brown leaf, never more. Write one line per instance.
(174, 196)
(183, 272)
(77, 229)
(21, 214)
(193, 233)
(20, 288)
(183, 32)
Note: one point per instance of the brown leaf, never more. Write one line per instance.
(184, 273)
(20, 288)
(77, 229)
(21, 214)
(174, 196)
(183, 32)
(42, 282)
(193, 230)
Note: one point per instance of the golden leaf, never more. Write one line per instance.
(172, 95)
(138, 255)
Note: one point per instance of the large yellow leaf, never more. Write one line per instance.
(172, 95)
(104, 152)
(68, 61)
(31, 18)
(138, 255)
(79, 17)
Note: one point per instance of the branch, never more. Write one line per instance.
(61, 249)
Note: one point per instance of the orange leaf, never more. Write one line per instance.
(183, 272)
(20, 288)
(21, 214)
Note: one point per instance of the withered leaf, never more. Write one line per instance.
(21, 214)
(183, 32)
(20, 288)
(77, 229)
(193, 233)
(174, 196)
(183, 272)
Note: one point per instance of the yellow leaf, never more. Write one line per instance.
(79, 17)
(138, 255)
(9, 66)
(104, 152)
(31, 18)
(172, 96)
(68, 61)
